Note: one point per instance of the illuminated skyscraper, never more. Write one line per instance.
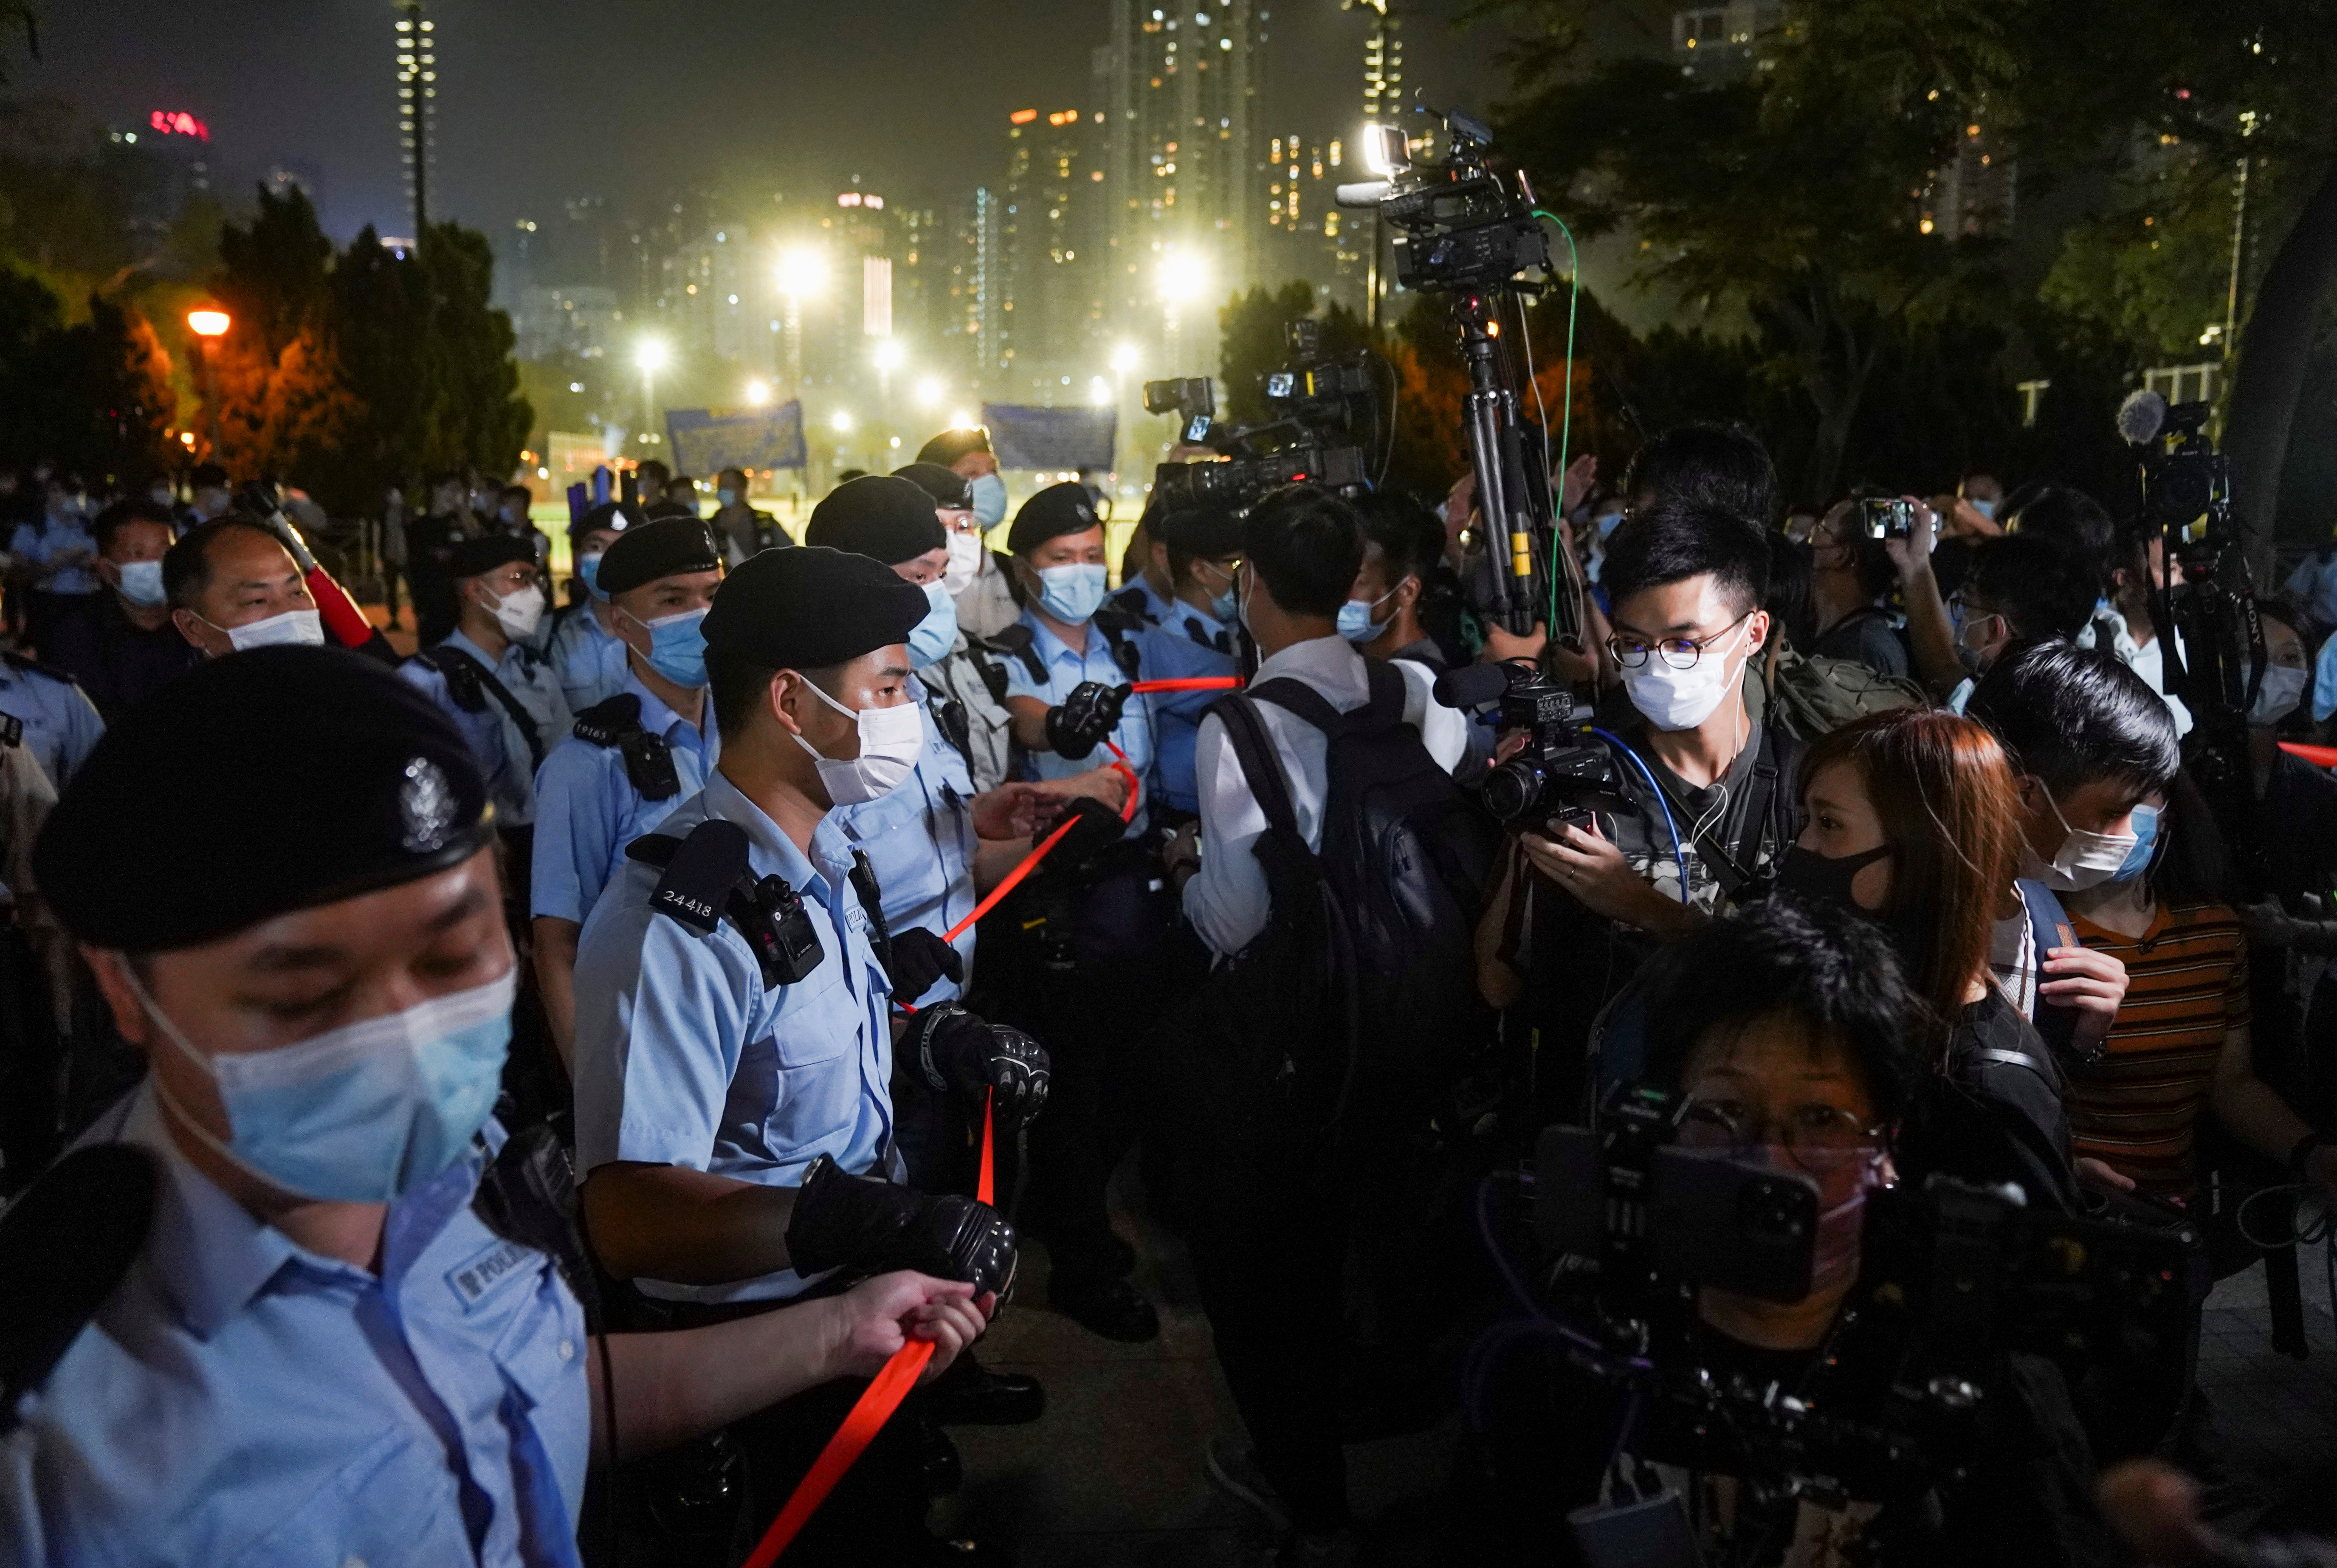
(1383, 62)
(418, 79)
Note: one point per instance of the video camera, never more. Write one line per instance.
(1559, 773)
(1463, 229)
(1951, 1277)
(1321, 407)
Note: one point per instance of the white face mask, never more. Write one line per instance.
(301, 627)
(964, 562)
(519, 613)
(2277, 698)
(141, 584)
(2085, 859)
(1683, 699)
(891, 740)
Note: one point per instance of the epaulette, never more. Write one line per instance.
(35, 667)
(608, 722)
(706, 878)
(66, 1243)
(12, 731)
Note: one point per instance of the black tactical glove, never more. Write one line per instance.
(1089, 714)
(959, 1050)
(1100, 828)
(868, 1226)
(918, 958)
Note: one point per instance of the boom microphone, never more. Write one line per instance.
(1470, 685)
(1362, 194)
(2141, 417)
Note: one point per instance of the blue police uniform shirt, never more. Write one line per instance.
(920, 842)
(1188, 643)
(31, 543)
(2313, 585)
(1066, 668)
(590, 662)
(241, 1400)
(587, 810)
(60, 723)
(1140, 599)
(683, 1058)
(502, 754)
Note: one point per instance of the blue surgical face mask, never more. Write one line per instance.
(1221, 605)
(932, 637)
(677, 646)
(588, 567)
(142, 582)
(363, 1114)
(1985, 509)
(726, 496)
(1071, 594)
(2146, 840)
(1608, 523)
(988, 501)
(1356, 623)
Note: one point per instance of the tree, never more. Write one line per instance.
(280, 401)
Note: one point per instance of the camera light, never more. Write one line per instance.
(1386, 151)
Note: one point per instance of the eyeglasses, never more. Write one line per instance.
(1678, 652)
(1817, 1138)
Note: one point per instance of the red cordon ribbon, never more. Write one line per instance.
(2319, 756)
(892, 1384)
(867, 1416)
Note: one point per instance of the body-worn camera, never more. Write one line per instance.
(1321, 407)
(1887, 516)
(1559, 773)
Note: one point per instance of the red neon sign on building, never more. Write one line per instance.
(179, 123)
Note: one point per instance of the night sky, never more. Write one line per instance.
(540, 99)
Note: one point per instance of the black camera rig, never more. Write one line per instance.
(2207, 622)
(1321, 408)
(1628, 1225)
(1467, 229)
(1560, 772)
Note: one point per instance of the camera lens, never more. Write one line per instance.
(1511, 789)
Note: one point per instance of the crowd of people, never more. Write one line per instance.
(556, 1063)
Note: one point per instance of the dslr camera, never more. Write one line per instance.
(1320, 407)
(1559, 774)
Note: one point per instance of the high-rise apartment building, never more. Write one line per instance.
(417, 78)
(1050, 249)
(1383, 59)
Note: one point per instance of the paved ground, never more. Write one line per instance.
(1112, 1478)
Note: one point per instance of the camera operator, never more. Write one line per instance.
(1785, 1031)
(1912, 817)
(2123, 625)
(1851, 578)
(2015, 590)
(734, 1050)
(330, 1327)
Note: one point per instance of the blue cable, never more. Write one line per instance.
(1679, 856)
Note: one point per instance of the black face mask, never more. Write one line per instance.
(1825, 877)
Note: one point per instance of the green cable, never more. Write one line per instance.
(1566, 424)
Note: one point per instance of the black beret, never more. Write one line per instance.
(876, 516)
(473, 556)
(253, 785)
(809, 608)
(616, 517)
(661, 547)
(1059, 509)
(951, 445)
(947, 486)
(1207, 531)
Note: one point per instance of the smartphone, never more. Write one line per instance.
(1891, 517)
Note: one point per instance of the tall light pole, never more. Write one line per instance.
(207, 322)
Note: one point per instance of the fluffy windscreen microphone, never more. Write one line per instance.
(2141, 417)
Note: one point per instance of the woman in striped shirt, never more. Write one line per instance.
(2180, 1044)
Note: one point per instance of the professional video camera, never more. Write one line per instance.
(1630, 1223)
(1559, 774)
(1321, 408)
(2216, 660)
(1465, 229)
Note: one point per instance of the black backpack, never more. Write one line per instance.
(1366, 968)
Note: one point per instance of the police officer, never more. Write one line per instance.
(734, 1046)
(1197, 636)
(498, 690)
(584, 650)
(310, 1323)
(59, 722)
(1085, 939)
(986, 601)
(972, 674)
(633, 757)
(1149, 594)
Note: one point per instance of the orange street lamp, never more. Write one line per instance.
(207, 322)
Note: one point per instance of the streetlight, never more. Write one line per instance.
(207, 322)
(1127, 357)
(840, 422)
(759, 393)
(651, 353)
(929, 392)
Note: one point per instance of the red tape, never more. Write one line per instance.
(868, 1414)
(2319, 756)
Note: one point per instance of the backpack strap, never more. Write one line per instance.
(615, 723)
(1261, 763)
(2049, 927)
(71, 1237)
(448, 661)
(707, 880)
